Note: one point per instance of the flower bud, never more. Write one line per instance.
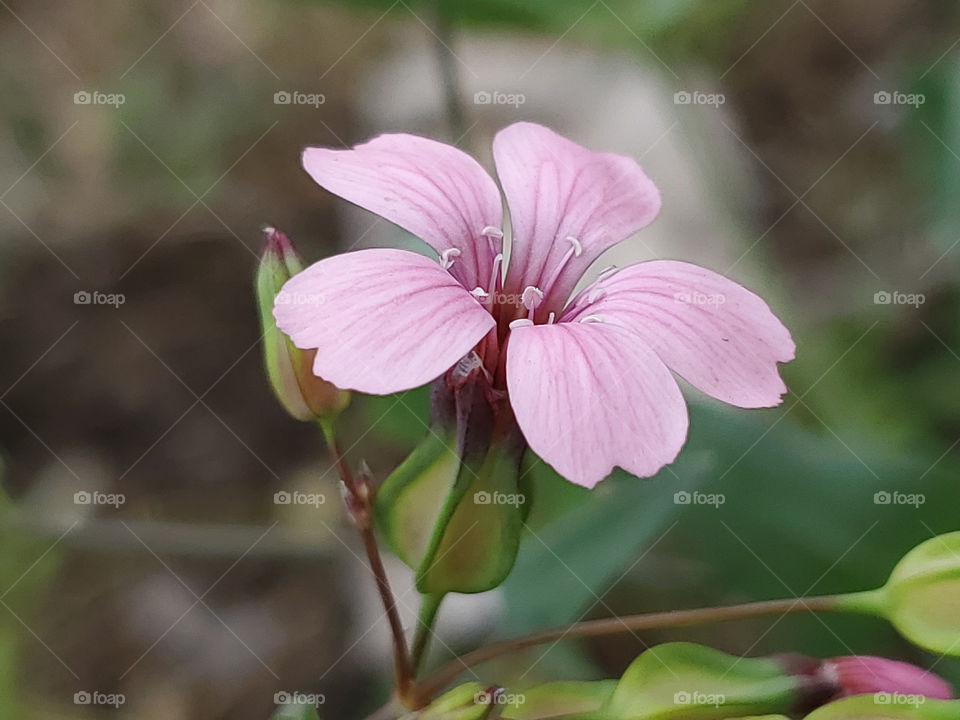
(922, 597)
(290, 369)
(472, 701)
(866, 675)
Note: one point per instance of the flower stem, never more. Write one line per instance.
(429, 606)
(359, 500)
(424, 691)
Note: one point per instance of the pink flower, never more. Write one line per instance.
(588, 380)
(866, 675)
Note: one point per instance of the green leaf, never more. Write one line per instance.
(684, 680)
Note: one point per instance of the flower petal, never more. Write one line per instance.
(716, 334)
(590, 396)
(433, 190)
(381, 320)
(556, 189)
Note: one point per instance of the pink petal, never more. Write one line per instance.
(556, 189)
(590, 396)
(433, 190)
(381, 320)
(716, 334)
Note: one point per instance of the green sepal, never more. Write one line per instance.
(684, 680)
(429, 513)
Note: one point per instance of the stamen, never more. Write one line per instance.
(521, 322)
(480, 294)
(531, 299)
(551, 318)
(492, 233)
(447, 256)
(596, 291)
(576, 250)
(495, 274)
(592, 319)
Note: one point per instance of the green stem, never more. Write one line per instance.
(868, 602)
(423, 692)
(359, 499)
(429, 606)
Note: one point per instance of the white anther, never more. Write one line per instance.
(607, 272)
(591, 319)
(595, 294)
(491, 231)
(480, 294)
(522, 322)
(531, 297)
(551, 318)
(577, 247)
(447, 256)
(495, 273)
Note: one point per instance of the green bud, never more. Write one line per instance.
(687, 681)
(883, 706)
(289, 369)
(922, 597)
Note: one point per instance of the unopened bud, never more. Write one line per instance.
(290, 369)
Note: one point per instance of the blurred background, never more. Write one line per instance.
(808, 149)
